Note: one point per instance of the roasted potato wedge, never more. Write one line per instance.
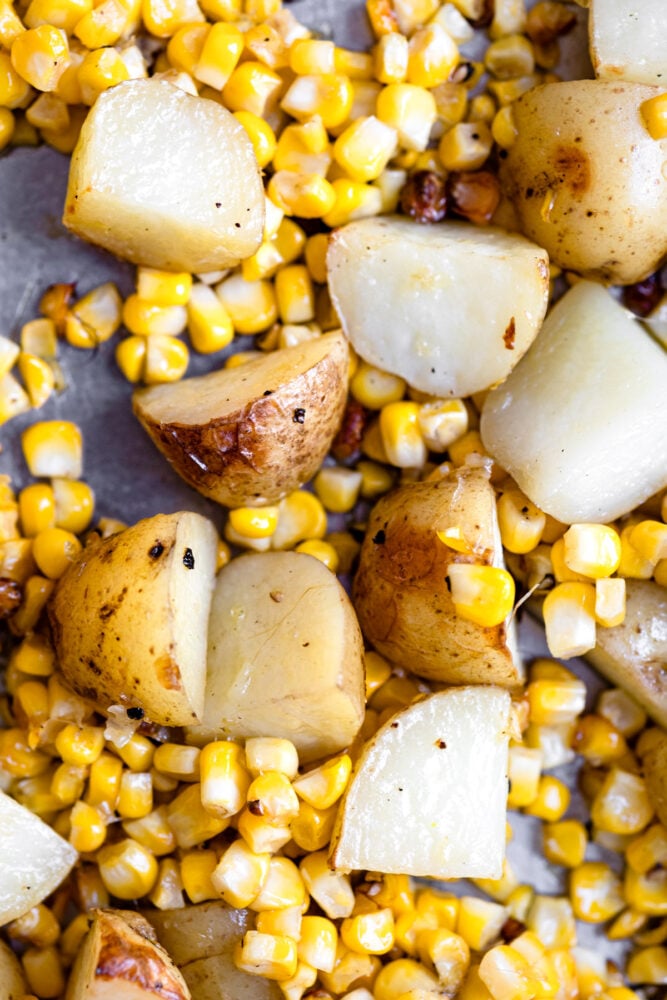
(625, 40)
(165, 179)
(12, 982)
(34, 860)
(120, 959)
(595, 209)
(400, 592)
(428, 794)
(285, 655)
(409, 299)
(129, 618)
(248, 436)
(201, 940)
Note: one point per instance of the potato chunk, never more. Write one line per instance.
(627, 40)
(428, 795)
(165, 179)
(581, 423)
(285, 655)
(12, 982)
(409, 300)
(33, 859)
(129, 618)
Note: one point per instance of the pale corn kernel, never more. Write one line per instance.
(13, 398)
(283, 886)
(332, 891)
(508, 91)
(251, 305)
(34, 656)
(191, 823)
(10, 24)
(312, 55)
(15, 91)
(441, 422)
(354, 200)
(365, 147)
(254, 522)
(648, 850)
(40, 56)
(622, 804)
(510, 56)
(38, 378)
(338, 488)
(177, 761)
(137, 752)
(524, 769)
(521, 523)
(482, 109)
(9, 352)
(80, 745)
(131, 357)
(301, 516)
(356, 65)
(595, 892)
(53, 448)
(245, 541)
(554, 701)
(74, 504)
(220, 53)
(482, 594)
(307, 195)
(152, 831)
(648, 965)
(551, 801)
(48, 111)
(649, 538)
(369, 933)
(261, 136)
(253, 87)
(390, 58)
(552, 920)
(622, 711)
(654, 116)
(167, 893)
(465, 146)
(100, 311)
(506, 973)
(240, 874)
(271, 796)
(374, 388)
(224, 779)
(264, 753)
(626, 924)
(294, 294)
(145, 318)
(127, 869)
(312, 828)
(404, 977)
(264, 43)
(479, 921)
(263, 835)
(610, 601)
(376, 479)
(560, 571)
(432, 55)
(166, 359)
(569, 619)
(196, 871)
(268, 955)
(54, 551)
(411, 14)
(38, 926)
(329, 96)
(410, 110)
(503, 127)
(593, 550)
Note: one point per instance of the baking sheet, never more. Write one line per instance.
(130, 479)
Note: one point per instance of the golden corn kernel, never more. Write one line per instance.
(251, 305)
(131, 358)
(595, 892)
(654, 115)
(261, 136)
(40, 56)
(53, 448)
(432, 55)
(268, 955)
(166, 359)
(254, 522)
(240, 874)
(622, 804)
(101, 69)
(564, 842)
(127, 869)
(593, 550)
(88, 827)
(332, 891)
(54, 550)
(264, 753)
(196, 871)
(224, 779)
(482, 594)
(569, 619)
(253, 87)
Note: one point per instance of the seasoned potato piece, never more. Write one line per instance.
(626, 40)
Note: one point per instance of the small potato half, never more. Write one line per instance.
(626, 40)
(400, 591)
(129, 618)
(247, 436)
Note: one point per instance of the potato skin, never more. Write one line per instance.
(265, 449)
(584, 142)
(400, 592)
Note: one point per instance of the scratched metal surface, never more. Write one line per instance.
(130, 479)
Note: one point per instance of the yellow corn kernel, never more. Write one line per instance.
(40, 56)
(13, 399)
(251, 305)
(369, 933)
(137, 753)
(191, 823)
(338, 488)
(365, 147)
(220, 53)
(328, 96)
(65, 140)
(569, 619)
(145, 318)
(633, 565)
(482, 109)
(49, 111)
(552, 920)
(316, 257)
(507, 974)
(272, 956)
(10, 24)
(177, 761)
(55, 303)
(374, 388)
(261, 136)
(332, 891)
(595, 892)
(465, 146)
(262, 834)
(648, 965)
(265, 753)
(44, 972)
(74, 504)
(163, 288)
(38, 927)
(622, 804)
(283, 886)
(166, 359)
(654, 115)
(390, 59)
(253, 87)
(167, 893)
(593, 550)
(432, 55)
(317, 943)
(554, 701)
(271, 796)
(561, 572)
(80, 745)
(479, 921)
(224, 779)
(442, 421)
(401, 435)
(321, 550)
(184, 50)
(103, 25)
(36, 592)
(54, 550)
(503, 127)
(324, 785)
(101, 69)
(311, 829)
(100, 310)
(521, 523)
(9, 352)
(647, 893)
(36, 509)
(135, 796)
(596, 739)
(90, 889)
(152, 831)
(509, 57)
(610, 601)
(53, 448)
(307, 195)
(196, 871)
(131, 358)
(88, 827)
(128, 870)
(254, 522)
(648, 850)
(552, 799)
(164, 17)
(312, 56)
(265, 44)
(285, 921)
(404, 977)
(15, 92)
(622, 711)
(524, 770)
(564, 842)
(294, 294)
(301, 516)
(240, 874)
(482, 594)
(34, 656)
(626, 924)
(649, 538)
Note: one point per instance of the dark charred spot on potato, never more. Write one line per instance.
(156, 551)
(509, 335)
(380, 537)
(394, 725)
(573, 169)
(255, 807)
(135, 713)
(299, 415)
(11, 595)
(107, 610)
(189, 559)
(267, 392)
(643, 297)
(92, 666)
(168, 673)
(441, 745)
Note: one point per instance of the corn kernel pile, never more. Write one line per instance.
(341, 135)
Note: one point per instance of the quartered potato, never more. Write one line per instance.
(12, 981)
(587, 180)
(129, 618)
(285, 655)
(120, 959)
(400, 591)
(249, 435)
(626, 40)
(604, 452)
(34, 860)
(428, 794)
(450, 308)
(654, 765)
(165, 179)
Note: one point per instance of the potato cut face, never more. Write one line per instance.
(250, 435)
(285, 655)
(165, 179)
(604, 452)
(129, 621)
(428, 795)
(33, 859)
(409, 300)
(626, 40)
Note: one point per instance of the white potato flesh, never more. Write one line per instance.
(428, 795)
(33, 859)
(627, 40)
(451, 308)
(581, 424)
(165, 179)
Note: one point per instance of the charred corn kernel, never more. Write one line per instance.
(283, 886)
(521, 523)
(368, 933)
(265, 753)
(503, 127)
(328, 96)
(569, 619)
(135, 796)
(324, 785)
(365, 147)
(131, 358)
(465, 146)
(294, 294)
(240, 874)
(37, 927)
(40, 55)
(224, 778)
(101, 69)
(88, 828)
(44, 972)
(596, 739)
(184, 50)
(479, 922)
(307, 195)
(152, 831)
(595, 892)
(54, 550)
(219, 56)
(593, 550)
(524, 771)
(80, 745)
(338, 488)
(610, 601)
(53, 448)
(647, 893)
(432, 55)
(648, 965)
(375, 388)
(254, 522)
(251, 305)
(262, 834)
(554, 701)
(633, 565)
(191, 823)
(404, 977)
(321, 550)
(261, 136)
(128, 870)
(622, 711)
(654, 115)
(145, 318)
(311, 829)
(166, 359)
(332, 891)
(36, 509)
(177, 761)
(167, 894)
(137, 752)
(564, 842)
(622, 804)
(507, 974)
(253, 87)
(271, 796)
(390, 58)
(552, 799)
(483, 594)
(196, 871)
(648, 850)
(401, 435)
(269, 955)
